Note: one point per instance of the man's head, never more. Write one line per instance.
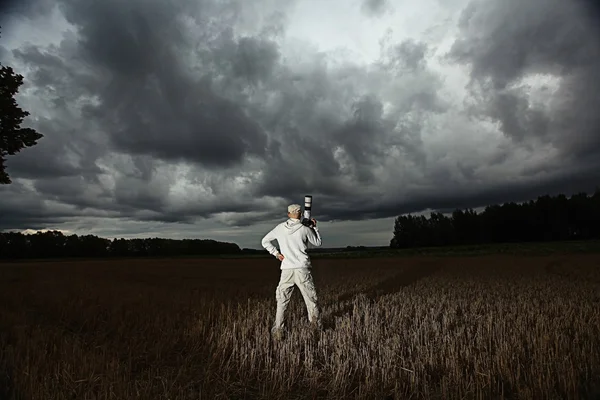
(294, 211)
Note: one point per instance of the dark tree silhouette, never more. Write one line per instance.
(545, 219)
(13, 138)
(54, 244)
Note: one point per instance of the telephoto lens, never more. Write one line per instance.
(306, 214)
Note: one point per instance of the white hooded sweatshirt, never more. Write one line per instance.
(293, 239)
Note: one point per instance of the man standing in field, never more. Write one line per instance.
(293, 238)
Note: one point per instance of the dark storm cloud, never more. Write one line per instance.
(253, 59)
(506, 41)
(333, 129)
(517, 118)
(155, 104)
(130, 80)
(503, 40)
(52, 158)
(22, 208)
(571, 181)
(10, 9)
(139, 75)
(364, 136)
(58, 81)
(145, 89)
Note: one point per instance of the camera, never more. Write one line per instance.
(306, 213)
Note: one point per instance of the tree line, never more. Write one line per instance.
(549, 218)
(55, 244)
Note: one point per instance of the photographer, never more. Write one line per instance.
(293, 238)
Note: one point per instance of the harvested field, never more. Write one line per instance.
(415, 327)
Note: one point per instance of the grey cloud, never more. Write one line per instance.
(73, 190)
(59, 156)
(70, 146)
(363, 135)
(570, 181)
(333, 124)
(505, 42)
(23, 208)
(128, 39)
(4, 53)
(191, 111)
(516, 115)
(410, 54)
(254, 59)
(575, 115)
(374, 7)
(153, 103)
(212, 131)
(10, 9)
(407, 62)
(164, 111)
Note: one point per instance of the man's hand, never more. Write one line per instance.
(314, 221)
(280, 256)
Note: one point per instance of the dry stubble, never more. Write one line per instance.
(481, 327)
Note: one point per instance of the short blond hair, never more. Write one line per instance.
(294, 208)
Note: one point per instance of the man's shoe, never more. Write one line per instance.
(277, 334)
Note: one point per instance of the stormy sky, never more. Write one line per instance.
(205, 118)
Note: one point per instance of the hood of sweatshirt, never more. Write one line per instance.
(292, 225)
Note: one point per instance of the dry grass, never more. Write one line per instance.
(478, 327)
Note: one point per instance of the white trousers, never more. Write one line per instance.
(302, 278)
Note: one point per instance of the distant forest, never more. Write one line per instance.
(54, 244)
(547, 219)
